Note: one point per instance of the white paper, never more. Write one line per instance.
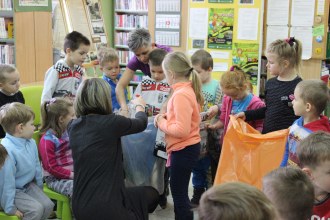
(220, 67)
(198, 23)
(302, 13)
(168, 5)
(219, 55)
(278, 12)
(276, 32)
(248, 19)
(320, 7)
(170, 38)
(167, 21)
(305, 35)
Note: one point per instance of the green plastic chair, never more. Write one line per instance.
(63, 204)
(32, 96)
(3, 216)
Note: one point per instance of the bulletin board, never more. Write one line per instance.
(306, 20)
(231, 31)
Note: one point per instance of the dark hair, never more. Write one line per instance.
(315, 92)
(291, 191)
(203, 58)
(51, 111)
(314, 149)
(74, 39)
(3, 155)
(93, 97)
(156, 56)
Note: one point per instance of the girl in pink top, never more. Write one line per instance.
(181, 127)
(54, 148)
(237, 98)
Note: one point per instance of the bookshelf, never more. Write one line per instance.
(129, 14)
(7, 42)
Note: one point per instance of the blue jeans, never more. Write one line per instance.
(182, 162)
(199, 178)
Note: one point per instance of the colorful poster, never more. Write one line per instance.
(221, 1)
(220, 28)
(246, 57)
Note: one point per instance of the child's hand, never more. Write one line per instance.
(139, 101)
(240, 115)
(158, 118)
(212, 112)
(215, 126)
(19, 214)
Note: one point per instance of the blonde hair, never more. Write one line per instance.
(180, 65)
(5, 69)
(13, 114)
(235, 78)
(291, 191)
(3, 155)
(314, 150)
(288, 49)
(93, 97)
(51, 111)
(316, 92)
(203, 58)
(235, 201)
(106, 54)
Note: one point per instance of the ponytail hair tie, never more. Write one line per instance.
(191, 69)
(232, 68)
(290, 41)
(48, 103)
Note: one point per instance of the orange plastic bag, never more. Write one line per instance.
(247, 155)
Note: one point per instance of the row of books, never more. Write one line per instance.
(121, 38)
(131, 21)
(6, 5)
(134, 5)
(124, 56)
(7, 54)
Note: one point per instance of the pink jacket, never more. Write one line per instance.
(226, 107)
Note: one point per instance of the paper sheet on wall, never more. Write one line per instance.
(320, 7)
(276, 32)
(220, 67)
(248, 19)
(305, 35)
(219, 55)
(278, 12)
(302, 13)
(198, 23)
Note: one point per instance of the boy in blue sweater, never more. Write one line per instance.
(21, 186)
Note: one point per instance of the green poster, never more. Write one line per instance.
(220, 28)
(221, 1)
(246, 56)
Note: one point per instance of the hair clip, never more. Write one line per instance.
(290, 41)
(52, 100)
(232, 68)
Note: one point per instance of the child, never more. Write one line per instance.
(237, 98)
(9, 88)
(181, 127)
(284, 60)
(235, 201)
(203, 63)
(54, 148)
(310, 100)
(64, 77)
(139, 42)
(98, 188)
(291, 192)
(109, 65)
(155, 91)
(314, 159)
(22, 192)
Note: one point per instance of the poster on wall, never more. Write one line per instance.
(220, 28)
(32, 5)
(246, 56)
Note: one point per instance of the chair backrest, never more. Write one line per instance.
(32, 96)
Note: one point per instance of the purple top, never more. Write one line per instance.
(134, 64)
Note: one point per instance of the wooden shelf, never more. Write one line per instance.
(131, 12)
(121, 46)
(124, 29)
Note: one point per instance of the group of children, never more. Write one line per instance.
(82, 157)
